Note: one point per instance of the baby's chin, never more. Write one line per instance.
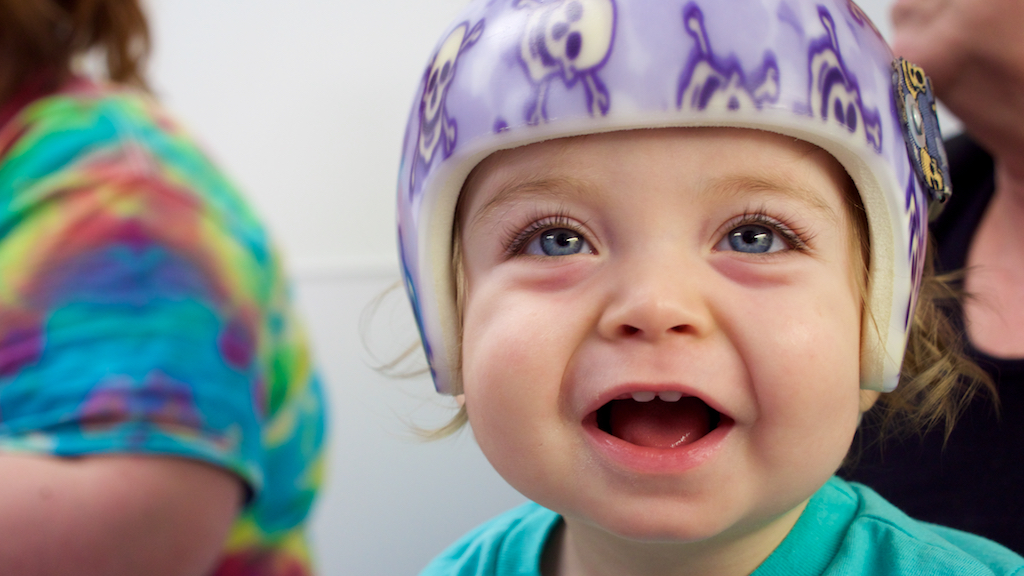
(696, 523)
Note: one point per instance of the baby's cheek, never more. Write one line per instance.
(497, 386)
(490, 348)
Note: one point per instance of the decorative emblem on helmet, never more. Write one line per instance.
(915, 103)
(712, 82)
(436, 128)
(571, 39)
(835, 95)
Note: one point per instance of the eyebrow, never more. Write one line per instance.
(566, 188)
(557, 188)
(744, 185)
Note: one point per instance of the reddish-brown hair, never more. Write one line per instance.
(42, 38)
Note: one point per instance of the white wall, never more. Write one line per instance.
(304, 104)
(392, 501)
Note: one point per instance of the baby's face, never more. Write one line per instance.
(709, 269)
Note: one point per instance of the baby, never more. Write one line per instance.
(667, 253)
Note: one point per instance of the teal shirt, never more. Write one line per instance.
(846, 529)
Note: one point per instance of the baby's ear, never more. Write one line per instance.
(868, 399)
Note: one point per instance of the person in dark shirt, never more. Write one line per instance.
(974, 52)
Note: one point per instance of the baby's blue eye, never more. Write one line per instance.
(558, 242)
(755, 239)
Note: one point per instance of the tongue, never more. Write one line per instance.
(659, 424)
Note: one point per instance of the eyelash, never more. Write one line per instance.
(796, 238)
(518, 240)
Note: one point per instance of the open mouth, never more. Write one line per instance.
(657, 419)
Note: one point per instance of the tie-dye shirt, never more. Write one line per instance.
(143, 310)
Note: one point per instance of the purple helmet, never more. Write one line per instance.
(514, 72)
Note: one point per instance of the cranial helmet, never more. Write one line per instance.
(514, 72)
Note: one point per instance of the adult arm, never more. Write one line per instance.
(142, 313)
(113, 515)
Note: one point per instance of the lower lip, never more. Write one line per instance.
(647, 460)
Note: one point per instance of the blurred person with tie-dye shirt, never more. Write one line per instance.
(158, 410)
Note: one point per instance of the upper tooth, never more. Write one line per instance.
(643, 396)
(670, 395)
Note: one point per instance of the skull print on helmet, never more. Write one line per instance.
(569, 39)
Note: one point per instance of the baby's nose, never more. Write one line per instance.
(652, 301)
